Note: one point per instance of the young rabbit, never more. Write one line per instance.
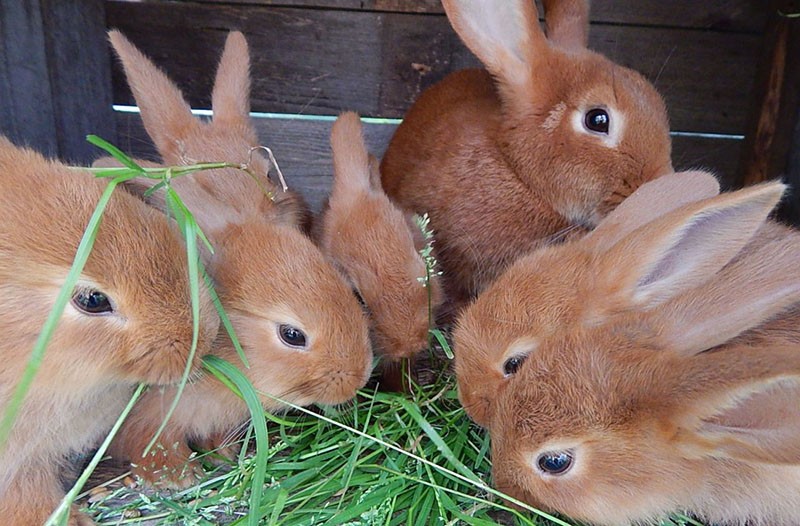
(129, 320)
(540, 145)
(373, 243)
(686, 400)
(552, 289)
(301, 328)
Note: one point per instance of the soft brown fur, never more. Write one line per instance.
(92, 362)
(685, 398)
(499, 158)
(266, 271)
(371, 240)
(552, 289)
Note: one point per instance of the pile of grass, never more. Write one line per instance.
(384, 459)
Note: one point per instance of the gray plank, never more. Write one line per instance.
(79, 71)
(729, 15)
(321, 61)
(27, 115)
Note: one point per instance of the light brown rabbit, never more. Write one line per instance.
(129, 320)
(373, 243)
(539, 146)
(553, 289)
(301, 328)
(685, 402)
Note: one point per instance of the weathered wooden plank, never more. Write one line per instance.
(303, 151)
(733, 15)
(321, 61)
(27, 115)
(80, 75)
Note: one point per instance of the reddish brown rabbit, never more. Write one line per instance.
(685, 400)
(373, 243)
(553, 289)
(539, 146)
(302, 330)
(129, 320)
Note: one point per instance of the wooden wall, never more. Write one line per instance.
(315, 58)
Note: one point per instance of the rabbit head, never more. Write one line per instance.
(302, 329)
(305, 334)
(183, 139)
(132, 297)
(656, 410)
(582, 130)
(552, 288)
(371, 240)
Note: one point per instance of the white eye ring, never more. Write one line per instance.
(615, 124)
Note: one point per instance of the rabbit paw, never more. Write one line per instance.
(172, 467)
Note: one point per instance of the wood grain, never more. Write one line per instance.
(317, 61)
(730, 15)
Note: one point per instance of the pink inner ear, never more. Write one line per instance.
(764, 427)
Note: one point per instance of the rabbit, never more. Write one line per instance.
(685, 400)
(374, 244)
(551, 289)
(302, 330)
(129, 321)
(537, 148)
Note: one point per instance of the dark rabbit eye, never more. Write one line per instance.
(597, 120)
(91, 301)
(555, 463)
(513, 364)
(292, 336)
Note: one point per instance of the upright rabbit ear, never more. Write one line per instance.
(567, 23)
(167, 116)
(741, 405)
(504, 35)
(649, 202)
(375, 173)
(685, 248)
(351, 165)
(231, 97)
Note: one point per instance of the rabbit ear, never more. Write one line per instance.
(763, 282)
(375, 173)
(166, 115)
(649, 202)
(505, 35)
(746, 407)
(685, 248)
(230, 99)
(351, 165)
(567, 23)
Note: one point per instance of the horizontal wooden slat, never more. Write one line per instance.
(322, 61)
(733, 15)
(303, 151)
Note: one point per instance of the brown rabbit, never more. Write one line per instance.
(686, 400)
(552, 289)
(540, 145)
(373, 243)
(302, 330)
(129, 320)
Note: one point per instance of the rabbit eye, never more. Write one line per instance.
(512, 365)
(292, 336)
(90, 301)
(597, 120)
(555, 463)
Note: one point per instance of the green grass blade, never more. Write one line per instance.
(189, 227)
(225, 319)
(64, 295)
(115, 152)
(251, 398)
